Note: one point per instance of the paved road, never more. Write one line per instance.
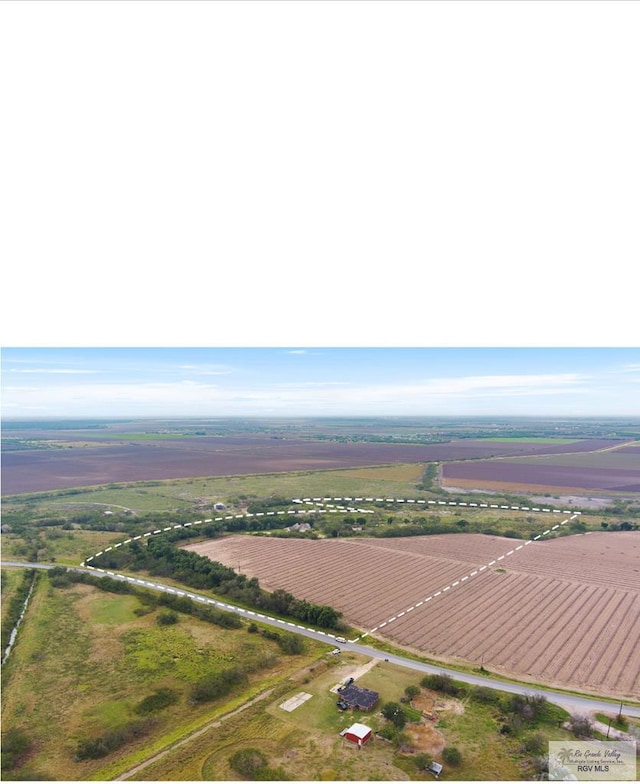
(573, 703)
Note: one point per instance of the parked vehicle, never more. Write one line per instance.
(336, 651)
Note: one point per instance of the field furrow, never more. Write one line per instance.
(627, 670)
(620, 626)
(565, 611)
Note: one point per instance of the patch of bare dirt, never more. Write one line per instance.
(424, 738)
(423, 702)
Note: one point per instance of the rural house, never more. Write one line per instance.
(360, 699)
(357, 733)
(299, 527)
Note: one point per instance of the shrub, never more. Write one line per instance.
(59, 577)
(441, 682)
(95, 748)
(387, 731)
(161, 698)
(541, 767)
(292, 644)
(15, 743)
(167, 618)
(534, 744)
(485, 695)
(526, 707)
(581, 726)
(451, 755)
(422, 761)
(249, 763)
(217, 684)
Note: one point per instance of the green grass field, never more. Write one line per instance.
(181, 494)
(11, 579)
(306, 745)
(84, 659)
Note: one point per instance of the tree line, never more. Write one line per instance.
(160, 557)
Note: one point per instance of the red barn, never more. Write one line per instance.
(357, 733)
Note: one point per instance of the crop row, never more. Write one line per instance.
(559, 611)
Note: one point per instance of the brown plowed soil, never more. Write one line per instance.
(564, 611)
(101, 459)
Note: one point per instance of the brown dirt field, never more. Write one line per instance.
(597, 472)
(28, 471)
(515, 487)
(565, 611)
(425, 738)
(423, 702)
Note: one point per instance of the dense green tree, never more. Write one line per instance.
(392, 711)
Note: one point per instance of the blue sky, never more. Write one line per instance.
(320, 381)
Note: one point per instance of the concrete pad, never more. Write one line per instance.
(294, 702)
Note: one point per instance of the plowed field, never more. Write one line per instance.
(564, 611)
(41, 470)
(615, 470)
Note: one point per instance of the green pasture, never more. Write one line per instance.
(138, 497)
(389, 681)
(304, 744)
(70, 548)
(83, 660)
(486, 754)
(202, 492)
(67, 548)
(11, 579)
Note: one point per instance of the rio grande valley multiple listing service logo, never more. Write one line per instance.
(592, 760)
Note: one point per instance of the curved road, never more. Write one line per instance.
(575, 704)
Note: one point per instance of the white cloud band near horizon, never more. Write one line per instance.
(517, 394)
(319, 382)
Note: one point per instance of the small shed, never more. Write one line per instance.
(357, 733)
(435, 768)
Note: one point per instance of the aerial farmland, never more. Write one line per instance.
(564, 611)
(374, 521)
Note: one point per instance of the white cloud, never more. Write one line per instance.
(481, 394)
(55, 371)
(207, 370)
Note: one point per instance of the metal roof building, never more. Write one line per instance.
(357, 733)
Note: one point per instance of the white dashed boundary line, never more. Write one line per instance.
(324, 505)
(459, 581)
